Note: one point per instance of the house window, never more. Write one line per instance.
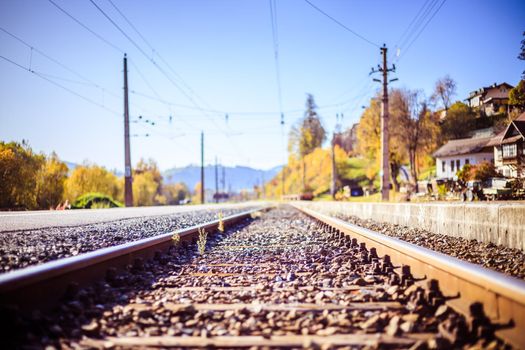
(452, 166)
(467, 161)
(443, 166)
(458, 164)
(510, 151)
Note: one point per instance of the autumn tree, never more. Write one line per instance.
(197, 193)
(307, 135)
(458, 122)
(444, 92)
(89, 178)
(517, 96)
(19, 169)
(175, 193)
(147, 184)
(369, 137)
(51, 182)
(416, 130)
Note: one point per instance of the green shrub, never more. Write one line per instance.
(94, 200)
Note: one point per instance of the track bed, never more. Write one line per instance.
(278, 281)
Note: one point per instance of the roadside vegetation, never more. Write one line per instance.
(30, 181)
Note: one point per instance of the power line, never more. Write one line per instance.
(406, 31)
(275, 39)
(154, 51)
(41, 76)
(426, 24)
(423, 28)
(86, 27)
(32, 47)
(149, 57)
(342, 25)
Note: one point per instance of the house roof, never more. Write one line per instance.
(462, 146)
(505, 137)
(491, 91)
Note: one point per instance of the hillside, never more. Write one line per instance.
(239, 177)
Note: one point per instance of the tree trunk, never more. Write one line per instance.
(394, 171)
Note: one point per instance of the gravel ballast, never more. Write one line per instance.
(502, 259)
(19, 249)
(279, 275)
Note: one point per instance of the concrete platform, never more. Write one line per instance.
(499, 223)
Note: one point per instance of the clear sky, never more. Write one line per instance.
(224, 53)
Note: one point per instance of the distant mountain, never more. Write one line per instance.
(236, 178)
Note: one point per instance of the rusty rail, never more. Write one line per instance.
(43, 286)
(502, 297)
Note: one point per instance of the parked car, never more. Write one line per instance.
(356, 191)
(497, 188)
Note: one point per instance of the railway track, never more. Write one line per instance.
(286, 279)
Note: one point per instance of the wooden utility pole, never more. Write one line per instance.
(334, 175)
(128, 179)
(216, 181)
(202, 167)
(283, 179)
(385, 153)
(223, 180)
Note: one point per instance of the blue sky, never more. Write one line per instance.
(223, 50)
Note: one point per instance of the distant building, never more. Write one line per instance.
(490, 100)
(509, 149)
(453, 155)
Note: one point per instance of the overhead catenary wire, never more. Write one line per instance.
(154, 51)
(424, 26)
(86, 27)
(341, 24)
(60, 85)
(411, 24)
(275, 39)
(150, 58)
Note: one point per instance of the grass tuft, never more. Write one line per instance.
(201, 243)
(220, 227)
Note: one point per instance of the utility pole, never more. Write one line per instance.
(334, 175)
(283, 179)
(385, 153)
(223, 180)
(333, 183)
(202, 167)
(216, 181)
(128, 180)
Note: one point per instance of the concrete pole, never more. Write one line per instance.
(216, 181)
(128, 179)
(334, 170)
(202, 167)
(385, 159)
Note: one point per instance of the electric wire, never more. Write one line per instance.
(341, 24)
(60, 85)
(86, 27)
(423, 28)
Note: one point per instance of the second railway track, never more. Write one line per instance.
(286, 279)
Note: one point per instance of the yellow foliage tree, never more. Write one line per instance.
(145, 189)
(318, 173)
(92, 178)
(197, 194)
(19, 169)
(51, 182)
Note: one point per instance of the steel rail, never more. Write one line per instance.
(45, 285)
(502, 297)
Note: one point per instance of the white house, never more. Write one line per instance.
(509, 149)
(453, 155)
